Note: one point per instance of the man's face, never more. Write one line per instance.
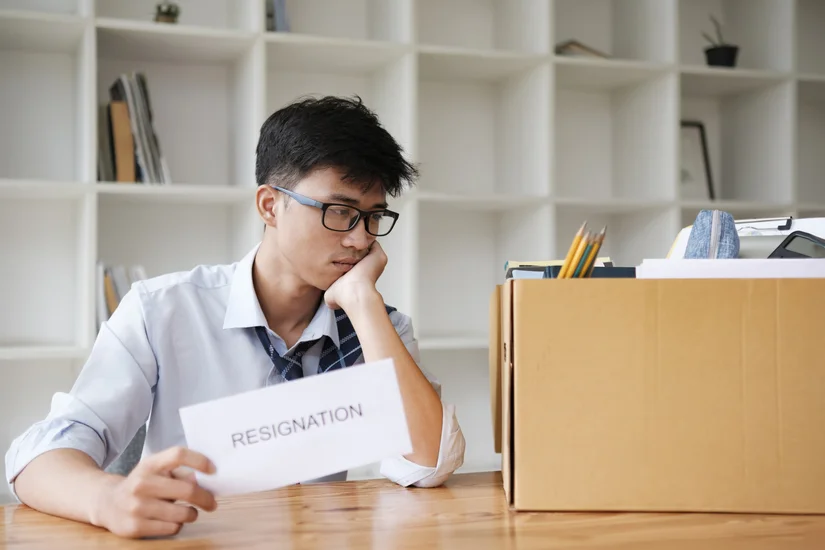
(319, 256)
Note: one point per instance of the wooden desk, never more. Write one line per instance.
(469, 512)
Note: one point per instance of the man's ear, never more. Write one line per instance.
(266, 201)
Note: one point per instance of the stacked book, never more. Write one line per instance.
(128, 146)
(277, 19)
(113, 282)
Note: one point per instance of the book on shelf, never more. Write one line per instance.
(128, 146)
(574, 48)
(277, 19)
(113, 282)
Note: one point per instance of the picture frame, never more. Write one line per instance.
(695, 175)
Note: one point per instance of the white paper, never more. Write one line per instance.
(772, 268)
(321, 425)
(527, 274)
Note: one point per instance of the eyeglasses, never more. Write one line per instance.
(343, 217)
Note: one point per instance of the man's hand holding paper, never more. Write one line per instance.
(296, 432)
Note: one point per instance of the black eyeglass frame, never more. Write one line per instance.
(323, 206)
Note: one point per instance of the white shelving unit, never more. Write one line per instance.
(517, 146)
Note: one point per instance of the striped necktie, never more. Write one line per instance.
(289, 367)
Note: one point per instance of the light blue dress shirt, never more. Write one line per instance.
(184, 338)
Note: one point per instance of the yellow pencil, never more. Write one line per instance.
(568, 260)
(578, 255)
(591, 259)
(580, 267)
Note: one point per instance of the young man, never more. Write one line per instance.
(324, 170)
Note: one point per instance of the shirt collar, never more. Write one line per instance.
(243, 309)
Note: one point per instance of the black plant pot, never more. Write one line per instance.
(722, 56)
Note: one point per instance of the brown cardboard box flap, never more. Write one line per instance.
(495, 365)
(508, 464)
(665, 395)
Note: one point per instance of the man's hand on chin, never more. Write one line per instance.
(356, 294)
(358, 284)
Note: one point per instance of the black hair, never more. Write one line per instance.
(330, 132)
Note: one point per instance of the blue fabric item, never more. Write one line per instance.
(713, 236)
(289, 366)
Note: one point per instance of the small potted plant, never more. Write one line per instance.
(167, 12)
(719, 53)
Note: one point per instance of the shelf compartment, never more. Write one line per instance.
(45, 265)
(486, 137)
(379, 20)
(631, 236)
(45, 107)
(810, 127)
(763, 30)
(205, 14)
(159, 236)
(204, 120)
(484, 24)
(631, 29)
(616, 143)
(454, 285)
(750, 140)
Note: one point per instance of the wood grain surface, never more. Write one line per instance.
(468, 512)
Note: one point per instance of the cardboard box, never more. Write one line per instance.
(660, 395)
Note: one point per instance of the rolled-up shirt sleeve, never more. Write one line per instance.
(451, 450)
(108, 403)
